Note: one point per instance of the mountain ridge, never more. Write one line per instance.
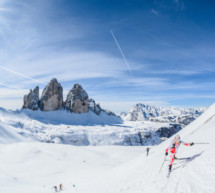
(77, 100)
(177, 115)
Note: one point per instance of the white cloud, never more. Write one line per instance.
(179, 72)
(128, 81)
(30, 47)
(155, 12)
(36, 46)
(83, 65)
(11, 104)
(7, 93)
(179, 4)
(12, 98)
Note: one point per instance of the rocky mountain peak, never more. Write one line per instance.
(77, 100)
(31, 100)
(77, 92)
(52, 96)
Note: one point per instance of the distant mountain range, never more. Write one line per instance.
(78, 120)
(142, 125)
(172, 115)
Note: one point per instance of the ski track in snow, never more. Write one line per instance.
(27, 166)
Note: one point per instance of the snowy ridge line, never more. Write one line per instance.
(203, 123)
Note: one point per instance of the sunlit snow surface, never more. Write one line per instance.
(28, 166)
(78, 129)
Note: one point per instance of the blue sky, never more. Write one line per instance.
(169, 46)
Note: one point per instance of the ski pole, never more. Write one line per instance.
(162, 163)
(201, 143)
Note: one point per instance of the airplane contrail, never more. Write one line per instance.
(20, 74)
(121, 52)
(7, 85)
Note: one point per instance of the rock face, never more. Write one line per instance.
(77, 100)
(185, 120)
(31, 100)
(52, 96)
(94, 107)
(168, 131)
(141, 112)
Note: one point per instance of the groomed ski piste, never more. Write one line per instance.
(33, 167)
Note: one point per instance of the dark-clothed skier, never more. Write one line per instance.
(55, 188)
(147, 150)
(173, 148)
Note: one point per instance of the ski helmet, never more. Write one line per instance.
(177, 138)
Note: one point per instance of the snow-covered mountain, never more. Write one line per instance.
(37, 167)
(96, 127)
(79, 129)
(84, 129)
(174, 115)
(77, 100)
(78, 120)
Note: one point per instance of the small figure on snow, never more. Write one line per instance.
(61, 187)
(147, 150)
(55, 187)
(173, 148)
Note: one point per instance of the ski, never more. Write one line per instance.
(183, 158)
(169, 172)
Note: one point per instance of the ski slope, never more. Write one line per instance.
(29, 167)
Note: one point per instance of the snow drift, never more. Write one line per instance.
(9, 135)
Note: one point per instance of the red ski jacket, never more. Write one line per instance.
(173, 148)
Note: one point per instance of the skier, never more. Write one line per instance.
(173, 148)
(147, 150)
(55, 188)
(61, 187)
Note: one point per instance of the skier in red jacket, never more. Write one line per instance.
(173, 148)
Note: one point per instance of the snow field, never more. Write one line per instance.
(33, 167)
(60, 127)
(36, 167)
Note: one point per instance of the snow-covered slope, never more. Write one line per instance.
(194, 175)
(37, 167)
(9, 134)
(81, 129)
(90, 128)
